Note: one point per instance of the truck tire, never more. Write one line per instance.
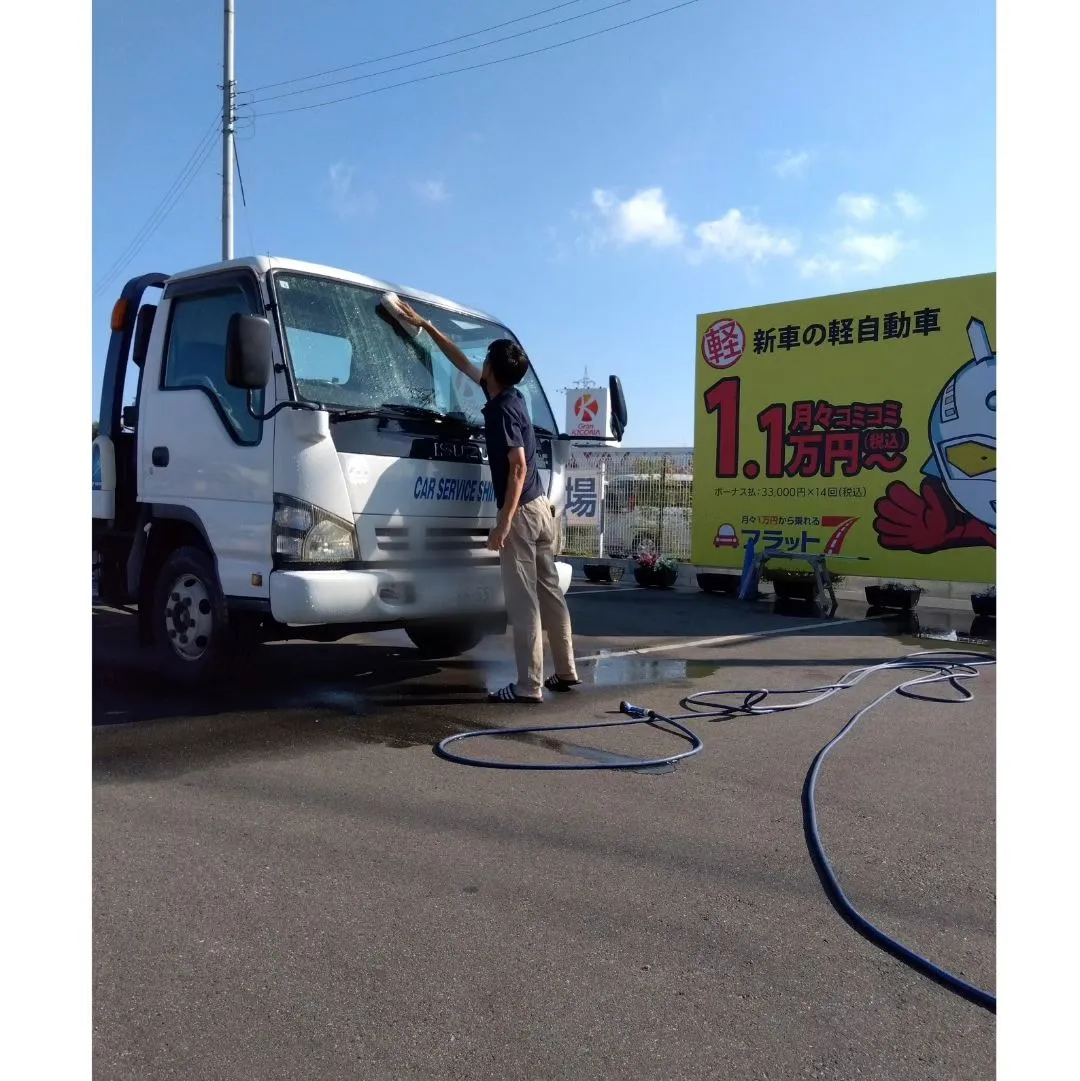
(194, 638)
(449, 639)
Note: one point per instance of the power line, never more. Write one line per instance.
(169, 200)
(138, 247)
(247, 209)
(197, 153)
(418, 49)
(482, 64)
(441, 56)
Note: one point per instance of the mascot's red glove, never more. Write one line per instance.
(927, 521)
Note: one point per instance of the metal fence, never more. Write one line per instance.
(622, 503)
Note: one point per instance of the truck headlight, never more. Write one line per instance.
(303, 533)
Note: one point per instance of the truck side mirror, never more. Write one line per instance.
(248, 352)
(618, 407)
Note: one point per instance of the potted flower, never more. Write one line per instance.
(794, 585)
(791, 585)
(893, 596)
(726, 582)
(985, 603)
(603, 572)
(655, 570)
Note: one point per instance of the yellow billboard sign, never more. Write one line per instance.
(860, 425)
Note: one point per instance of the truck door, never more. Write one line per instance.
(201, 453)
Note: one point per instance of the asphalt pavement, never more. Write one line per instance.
(288, 883)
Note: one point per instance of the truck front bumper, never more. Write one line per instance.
(311, 598)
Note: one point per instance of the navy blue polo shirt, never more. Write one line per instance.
(507, 425)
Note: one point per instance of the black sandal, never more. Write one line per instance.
(557, 683)
(508, 694)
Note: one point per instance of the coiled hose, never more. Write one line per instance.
(952, 667)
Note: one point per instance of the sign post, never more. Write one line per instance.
(588, 413)
(585, 500)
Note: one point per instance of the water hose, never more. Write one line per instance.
(952, 667)
(648, 717)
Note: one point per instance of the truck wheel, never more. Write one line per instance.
(193, 636)
(444, 639)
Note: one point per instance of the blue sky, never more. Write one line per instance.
(596, 197)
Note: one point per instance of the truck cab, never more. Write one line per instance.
(294, 463)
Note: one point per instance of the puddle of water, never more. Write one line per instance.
(936, 625)
(941, 625)
(343, 699)
(147, 748)
(622, 671)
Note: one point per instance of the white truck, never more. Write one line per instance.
(292, 462)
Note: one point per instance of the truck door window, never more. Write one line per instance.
(196, 357)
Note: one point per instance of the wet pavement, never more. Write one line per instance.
(289, 884)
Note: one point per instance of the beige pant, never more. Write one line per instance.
(534, 602)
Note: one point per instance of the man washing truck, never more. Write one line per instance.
(280, 455)
(524, 531)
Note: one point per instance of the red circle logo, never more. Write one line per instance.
(586, 408)
(723, 343)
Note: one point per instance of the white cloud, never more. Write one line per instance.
(792, 164)
(872, 251)
(908, 205)
(858, 207)
(431, 191)
(853, 249)
(820, 266)
(853, 253)
(734, 238)
(643, 218)
(346, 200)
(867, 207)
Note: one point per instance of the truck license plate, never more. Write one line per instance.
(474, 596)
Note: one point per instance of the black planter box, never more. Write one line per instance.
(893, 599)
(603, 572)
(984, 604)
(719, 582)
(652, 578)
(794, 589)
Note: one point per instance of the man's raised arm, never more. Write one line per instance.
(449, 348)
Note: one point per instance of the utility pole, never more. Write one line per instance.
(228, 130)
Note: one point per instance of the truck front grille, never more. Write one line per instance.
(456, 539)
(392, 539)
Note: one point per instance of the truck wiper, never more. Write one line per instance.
(425, 412)
(338, 412)
(396, 409)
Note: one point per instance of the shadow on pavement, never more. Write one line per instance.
(289, 697)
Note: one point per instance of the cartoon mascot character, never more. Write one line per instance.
(956, 505)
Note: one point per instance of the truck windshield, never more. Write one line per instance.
(346, 352)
